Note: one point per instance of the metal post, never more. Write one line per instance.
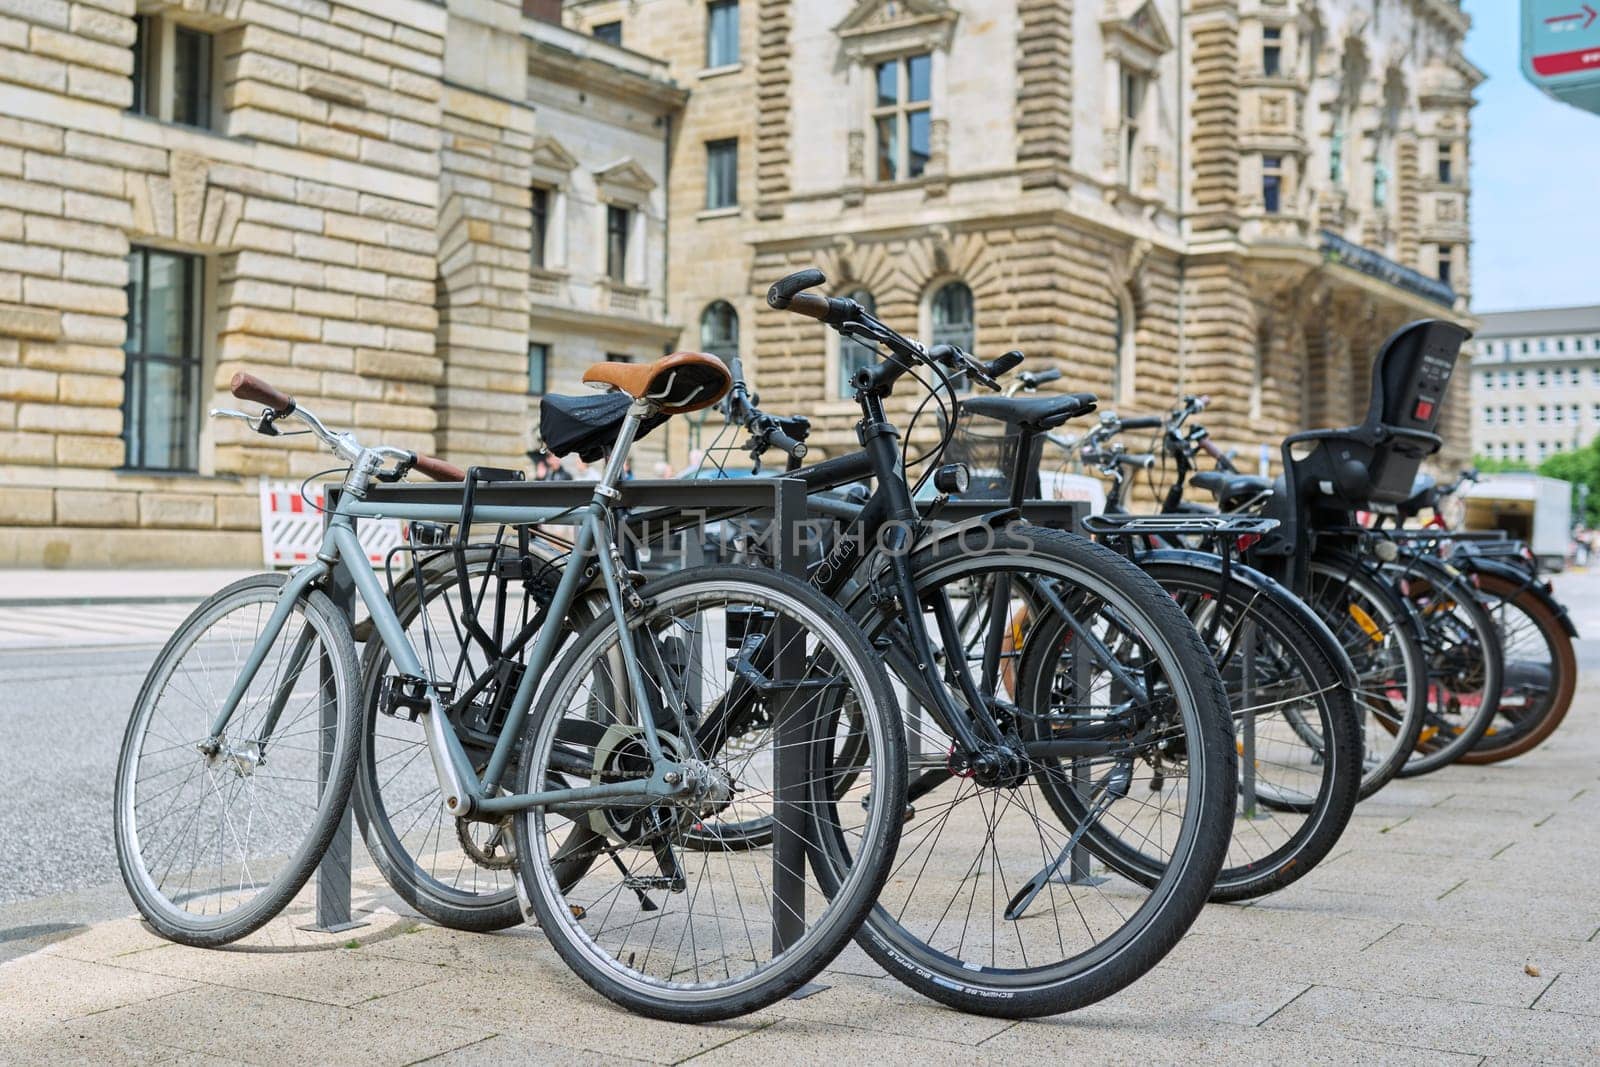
(333, 873)
(1247, 720)
(1082, 692)
(790, 736)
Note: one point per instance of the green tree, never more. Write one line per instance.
(1581, 466)
(1487, 465)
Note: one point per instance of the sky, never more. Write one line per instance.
(1535, 180)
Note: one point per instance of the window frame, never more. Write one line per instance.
(539, 229)
(901, 113)
(608, 32)
(1133, 89)
(189, 361)
(544, 348)
(726, 346)
(713, 59)
(1274, 183)
(617, 241)
(1271, 51)
(729, 184)
(158, 48)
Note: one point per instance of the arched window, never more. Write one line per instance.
(1124, 325)
(853, 354)
(719, 330)
(953, 320)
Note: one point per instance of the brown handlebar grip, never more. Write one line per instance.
(249, 387)
(811, 305)
(1209, 447)
(438, 469)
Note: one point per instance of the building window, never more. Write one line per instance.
(174, 70)
(1445, 163)
(1561, 344)
(1132, 103)
(1574, 377)
(902, 116)
(541, 225)
(538, 367)
(855, 354)
(161, 379)
(609, 32)
(722, 33)
(1272, 184)
(719, 331)
(1272, 51)
(954, 322)
(1488, 381)
(1544, 414)
(722, 174)
(618, 221)
(1446, 255)
(1522, 379)
(1541, 378)
(1522, 415)
(618, 357)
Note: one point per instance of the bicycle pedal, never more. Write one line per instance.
(404, 696)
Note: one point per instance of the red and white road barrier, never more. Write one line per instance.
(291, 526)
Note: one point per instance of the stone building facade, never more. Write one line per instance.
(337, 196)
(1233, 197)
(1536, 383)
(414, 214)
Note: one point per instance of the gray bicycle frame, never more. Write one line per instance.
(463, 790)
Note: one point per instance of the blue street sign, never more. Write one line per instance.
(1561, 49)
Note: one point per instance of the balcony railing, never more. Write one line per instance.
(1336, 249)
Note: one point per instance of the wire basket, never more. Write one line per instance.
(988, 447)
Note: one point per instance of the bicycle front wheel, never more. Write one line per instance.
(216, 834)
(992, 907)
(754, 682)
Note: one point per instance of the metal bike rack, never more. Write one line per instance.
(783, 498)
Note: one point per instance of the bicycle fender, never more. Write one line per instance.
(1512, 573)
(1257, 582)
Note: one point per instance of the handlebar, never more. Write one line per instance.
(365, 462)
(1143, 422)
(249, 387)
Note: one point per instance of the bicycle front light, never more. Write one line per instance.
(952, 478)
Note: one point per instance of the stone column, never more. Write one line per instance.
(484, 236)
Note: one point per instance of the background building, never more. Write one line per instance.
(417, 214)
(340, 196)
(1233, 197)
(1536, 383)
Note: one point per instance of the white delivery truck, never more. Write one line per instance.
(1534, 510)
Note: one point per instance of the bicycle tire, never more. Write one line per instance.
(1314, 782)
(289, 865)
(845, 896)
(1504, 597)
(1139, 943)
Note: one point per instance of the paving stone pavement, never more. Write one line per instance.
(1457, 922)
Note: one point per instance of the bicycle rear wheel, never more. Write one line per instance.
(1376, 630)
(1464, 655)
(1541, 672)
(1296, 729)
(632, 897)
(216, 835)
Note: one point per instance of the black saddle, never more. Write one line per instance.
(1036, 414)
(587, 425)
(1231, 490)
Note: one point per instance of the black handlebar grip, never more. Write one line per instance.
(788, 445)
(1144, 422)
(1004, 364)
(1052, 374)
(784, 289)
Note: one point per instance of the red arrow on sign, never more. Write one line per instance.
(1587, 22)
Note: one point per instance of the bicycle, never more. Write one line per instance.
(601, 779)
(1149, 720)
